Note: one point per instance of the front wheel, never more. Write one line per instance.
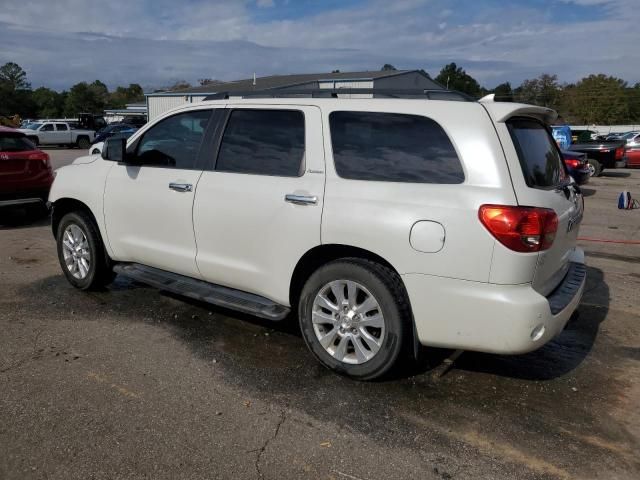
(81, 252)
(354, 316)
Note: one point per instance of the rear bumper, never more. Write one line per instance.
(505, 319)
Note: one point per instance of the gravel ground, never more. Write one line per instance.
(133, 383)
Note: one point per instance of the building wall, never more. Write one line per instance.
(159, 104)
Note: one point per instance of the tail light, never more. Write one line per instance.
(619, 153)
(43, 157)
(572, 162)
(522, 229)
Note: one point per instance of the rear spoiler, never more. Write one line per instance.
(503, 111)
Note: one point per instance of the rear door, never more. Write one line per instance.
(258, 207)
(540, 179)
(63, 134)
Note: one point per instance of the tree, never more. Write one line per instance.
(13, 76)
(503, 92)
(123, 95)
(596, 99)
(84, 97)
(48, 103)
(455, 78)
(179, 85)
(543, 90)
(15, 93)
(387, 67)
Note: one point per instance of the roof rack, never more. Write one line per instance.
(413, 93)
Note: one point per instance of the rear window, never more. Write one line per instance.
(539, 156)
(15, 143)
(390, 147)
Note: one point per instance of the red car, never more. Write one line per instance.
(25, 172)
(633, 155)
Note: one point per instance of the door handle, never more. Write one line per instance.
(301, 199)
(181, 187)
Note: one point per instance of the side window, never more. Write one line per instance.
(47, 127)
(263, 142)
(174, 142)
(391, 147)
(62, 127)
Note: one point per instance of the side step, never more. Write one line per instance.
(203, 291)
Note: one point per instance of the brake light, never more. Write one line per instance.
(522, 229)
(43, 157)
(619, 153)
(573, 163)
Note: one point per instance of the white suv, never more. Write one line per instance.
(382, 222)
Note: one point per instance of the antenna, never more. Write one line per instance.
(254, 79)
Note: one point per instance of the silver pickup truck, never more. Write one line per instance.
(58, 133)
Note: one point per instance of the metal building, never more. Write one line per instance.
(160, 102)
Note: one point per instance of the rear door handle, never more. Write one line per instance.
(301, 199)
(181, 187)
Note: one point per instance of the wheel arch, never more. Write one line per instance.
(64, 205)
(323, 254)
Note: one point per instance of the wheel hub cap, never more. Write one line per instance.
(75, 251)
(348, 321)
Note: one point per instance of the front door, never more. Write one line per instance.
(47, 133)
(258, 209)
(149, 200)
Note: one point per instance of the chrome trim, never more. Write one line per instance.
(181, 187)
(301, 199)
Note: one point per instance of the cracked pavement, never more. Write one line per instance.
(133, 383)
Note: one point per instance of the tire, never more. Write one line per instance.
(346, 351)
(595, 169)
(95, 272)
(83, 143)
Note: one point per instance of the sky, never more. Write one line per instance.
(158, 42)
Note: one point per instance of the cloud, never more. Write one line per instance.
(154, 43)
(265, 3)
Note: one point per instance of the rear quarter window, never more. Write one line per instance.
(392, 147)
(540, 158)
(15, 143)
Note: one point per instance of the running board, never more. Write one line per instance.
(203, 291)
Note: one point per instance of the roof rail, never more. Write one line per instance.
(427, 94)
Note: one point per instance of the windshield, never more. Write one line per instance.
(629, 135)
(33, 126)
(15, 143)
(539, 156)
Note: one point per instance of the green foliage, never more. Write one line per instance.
(455, 78)
(503, 92)
(543, 90)
(596, 99)
(387, 67)
(14, 77)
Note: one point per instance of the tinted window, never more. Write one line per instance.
(539, 156)
(175, 141)
(47, 127)
(263, 142)
(15, 143)
(61, 126)
(392, 147)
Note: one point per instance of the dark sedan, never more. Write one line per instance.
(577, 165)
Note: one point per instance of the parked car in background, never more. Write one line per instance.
(473, 248)
(631, 137)
(602, 155)
(632, 150)
(577, 165)
(113, 129)
(96, 148)
(25, 172)
(58, 133)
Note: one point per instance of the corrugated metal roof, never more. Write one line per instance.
(279, 81)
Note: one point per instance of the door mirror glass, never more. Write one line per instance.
(114, 149)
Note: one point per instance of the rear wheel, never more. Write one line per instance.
(83, 143)
(354, 316)
(595, 169)
(81, 252)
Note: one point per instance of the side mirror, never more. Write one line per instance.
(114, 149)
